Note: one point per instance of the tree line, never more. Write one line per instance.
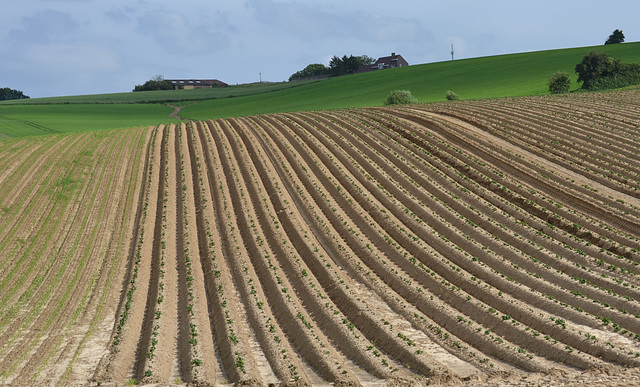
(599, 71)
(337, 66)
(155, 83)
(7, 93)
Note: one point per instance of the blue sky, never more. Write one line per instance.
(71, 47)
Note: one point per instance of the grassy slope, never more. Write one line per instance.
(487, 77)
(107, 111)
(177, 96)
(27, 120)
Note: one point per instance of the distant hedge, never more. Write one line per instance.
(157, 83)
(599, 71)
(7, 94)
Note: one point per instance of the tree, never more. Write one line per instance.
(155, 83)
(367, 60)
(595, 65)
(400, 97)
(559, 83)
(7, 94)
(616, 37)
(348, 64)
(598, 71)
(336, 66)
(315, 70)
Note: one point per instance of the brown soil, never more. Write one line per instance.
(478, 243)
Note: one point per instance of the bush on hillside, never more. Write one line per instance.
(312, 71)
(156, 83)
(451, 96)
(599, 71)
(629, 75)
(559, 83)
(400, 97)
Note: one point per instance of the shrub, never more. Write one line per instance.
(400, 97)
(599, 71)
(559, 83)
(312, 71)
(156, 83)
(628, 74)
(451, 96)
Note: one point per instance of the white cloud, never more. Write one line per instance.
(120, 15)
(43, 27)
(177, 33)
(72, 58)
(317, 23)
(58, 47)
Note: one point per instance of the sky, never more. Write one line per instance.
(73, 47)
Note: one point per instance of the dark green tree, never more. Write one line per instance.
(616, 37)
(595, 65)
(155, 83)
(7, 94)
(559, 83)
(367, 60)
(348, 64)
(598, 71)
(315, 70)
(336, 66)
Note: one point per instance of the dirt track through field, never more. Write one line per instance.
(444, 243)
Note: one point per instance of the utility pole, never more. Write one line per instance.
(260, 77)
(451, 51)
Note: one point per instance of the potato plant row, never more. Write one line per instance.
(61, 234)
(441, 243)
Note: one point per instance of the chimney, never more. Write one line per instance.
(393, 54)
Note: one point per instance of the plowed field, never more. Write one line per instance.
(473, 242)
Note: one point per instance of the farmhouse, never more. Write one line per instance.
(194, 83)
(385, 62)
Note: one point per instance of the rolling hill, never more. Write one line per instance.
(488, 241)
(286, 237)
(476, 78)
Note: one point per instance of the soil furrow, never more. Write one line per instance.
(385, 273)
(446, 250)
(508, 308)
(132, 312)
(515, 193)
(293, 319)
(460, 242)
(333, 324)
(81, 263)
(237, 355)
(471, 229)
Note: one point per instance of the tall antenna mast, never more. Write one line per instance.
(451, 51)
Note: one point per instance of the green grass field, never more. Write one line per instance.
(28, 120)
(476, 78)
(163, 96)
